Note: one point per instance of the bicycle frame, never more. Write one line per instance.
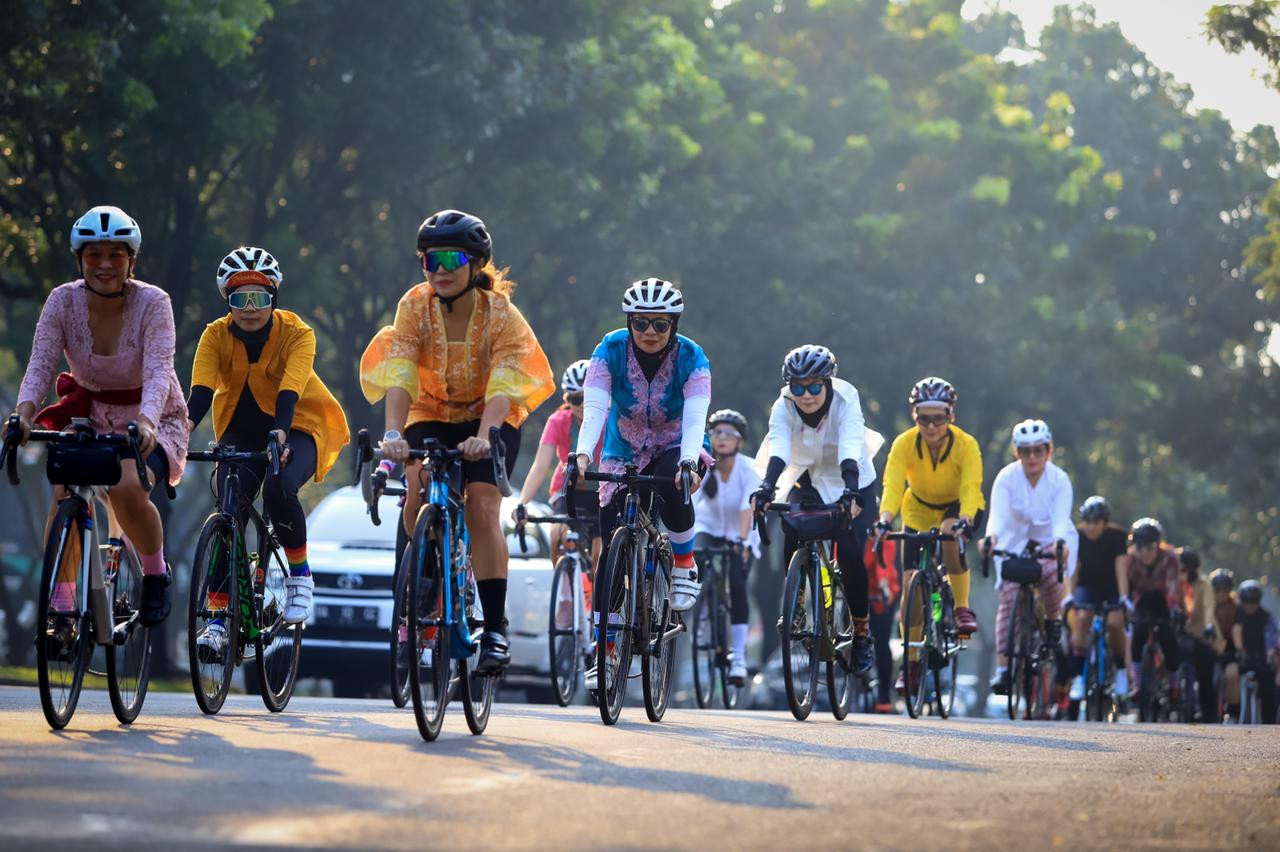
(454, 547)
(95, 588)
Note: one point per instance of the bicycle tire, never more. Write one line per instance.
(948, 662)
(213, 572)
(477, 688)
(1095, 685)
(800, 610)
(1019, 640)
(615, 596)
(703, 643)
(1188, 693)
(400, 646)
(129, 661)
(278, 645)
(840, 667)
(1147, 699)
(917, 591)
(729, 691)
(60, 685)
(430, 665)
(563, 638)
(658, 652)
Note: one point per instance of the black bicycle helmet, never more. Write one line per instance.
(1250, 592)
(933, 389)
(1096, 508)
(728, 415)
(1146, 531)
(455, 228)
(1222, 578)
(1189, 558)
(810, 361)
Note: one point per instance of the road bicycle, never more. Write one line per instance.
(1030, 654)
(239, 592)
(1100, 701)
(1156, 687)
(709, 633)
(90, 592)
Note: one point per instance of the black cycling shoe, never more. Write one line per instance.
(864, 654)
(495, 652)
(1000, 683)
(155, 599)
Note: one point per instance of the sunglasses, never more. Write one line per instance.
(932, 419)
(661, 326)
(1033, 452)
(812, 388)
(725, 432)
(574, 398)
(449, 261)
(243, 299)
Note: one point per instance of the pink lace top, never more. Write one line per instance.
(144, 358)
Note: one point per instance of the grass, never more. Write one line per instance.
(26, 676)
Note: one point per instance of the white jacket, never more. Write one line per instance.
(721, 516)
(1021, 512)
(842, 434)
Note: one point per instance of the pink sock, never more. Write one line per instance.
(63, 597)
(153, 564)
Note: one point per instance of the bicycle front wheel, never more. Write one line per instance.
(477, 688)
(213, 612)
(563, 635)
(62, 631)
(917, 619)
(430, 662)
(279, 645)
(946, 663)
(129, 656)
(1020, 651)
(613, 610)
(839, 679)
(658, 654)
(400, 652)
(800, 631)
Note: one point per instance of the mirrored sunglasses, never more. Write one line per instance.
(725, 432)
(244, 299)
(449, 261)
(812, 388)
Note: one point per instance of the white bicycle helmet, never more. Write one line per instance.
(652, 296)
(106, 224)
(1031, 433)
(575, 377)
(248, 259)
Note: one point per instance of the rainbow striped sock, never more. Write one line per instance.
(297, 558)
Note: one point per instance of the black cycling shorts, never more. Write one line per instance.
(453, 434)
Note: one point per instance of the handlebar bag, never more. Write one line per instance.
(813, 524)
(70, 464)
(1021, 570)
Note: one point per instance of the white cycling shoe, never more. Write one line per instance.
(685, 588)
(1076, 693)
(737, 672)
(301, 590)
(1121, 683)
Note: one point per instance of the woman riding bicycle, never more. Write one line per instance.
(1197, 603)
(1257, 637)
(818, 438)
(934, 477)
(1031, 501)
(1149, 586)
(459, 360)
(117, 335)
(1223, 583)
(1102, 547)
(559, 437)
(723, 507)
(254, 367)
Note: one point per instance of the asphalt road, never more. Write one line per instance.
(332, 773)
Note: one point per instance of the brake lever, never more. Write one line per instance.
(686, 482)
(9, 454)
(135, 444)
(273, 454)
(498, 453)
(521, 515)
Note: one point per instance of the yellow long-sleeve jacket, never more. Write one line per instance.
(920, 490)
(286, 364)
(451, 381)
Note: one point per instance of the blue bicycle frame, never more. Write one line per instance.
(454, 549)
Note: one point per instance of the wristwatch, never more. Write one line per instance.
(391, 435)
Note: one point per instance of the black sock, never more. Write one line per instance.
(1077, 665)
(493, 600)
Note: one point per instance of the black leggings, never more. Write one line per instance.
(739, 605)
(849, 544)
(279, 493)
(675, 515)
(883, 626)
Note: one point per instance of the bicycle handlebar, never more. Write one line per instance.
(1057, 553)
(79, 433)
(758, 513)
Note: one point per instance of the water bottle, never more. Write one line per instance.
(937, 606)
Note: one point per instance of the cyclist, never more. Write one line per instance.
(559, 436)
(1224, 618)
(117, 335)
(723, 509)
(883, 591)
(255, 368)
(459, 360)
(1149, 586)
(933, 476)
(1102, 546)
(1197, 603)
(820, 447)
(1031, 501)
(1258, 640)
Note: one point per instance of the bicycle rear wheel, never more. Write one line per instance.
(729, 691)
(703, 644)
(62, 632)
(400, 646)
(614, 607)
(129, 656)
(839, 668)
(429, 635)
(658, 654)
(800, 635)
(946, 662)
(279, 645)
(917, 617)
(215, 602)
(563, 635)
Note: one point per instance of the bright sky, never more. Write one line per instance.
(1170, 33)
